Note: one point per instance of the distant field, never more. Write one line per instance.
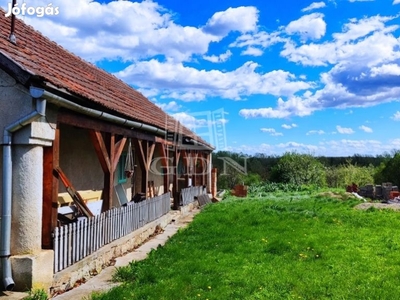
(282, 246)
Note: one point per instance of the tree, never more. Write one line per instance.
(299, 169)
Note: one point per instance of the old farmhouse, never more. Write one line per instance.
(86, 159)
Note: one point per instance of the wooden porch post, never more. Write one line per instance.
(51, 157)
(186, 164)
(146, 151)
(108, 153)
(163, 150)
(196, 155)
(175, 183)
(204, 168)
(109, 175)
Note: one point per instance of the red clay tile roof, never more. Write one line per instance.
(44, 58)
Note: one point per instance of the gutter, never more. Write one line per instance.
(5, 242)
(60, 101)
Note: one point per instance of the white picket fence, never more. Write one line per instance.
(77, 240)
(188, 194)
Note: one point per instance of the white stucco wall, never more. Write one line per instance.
(15, 101)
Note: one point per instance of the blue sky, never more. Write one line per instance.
(251, 76)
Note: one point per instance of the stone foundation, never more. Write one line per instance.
(33, 271)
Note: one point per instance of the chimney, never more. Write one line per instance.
(12, 37)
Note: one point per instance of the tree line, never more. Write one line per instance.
(306, 169)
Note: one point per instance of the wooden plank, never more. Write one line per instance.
(194, 176)
(82, 121)
(150, 153)
(146, 151)
(101, 150)
(186, 163)
(138, 144)
(119, 147)
(50, 191)
(175, 193)
(108, 175)
(78, 201)
(163, 152)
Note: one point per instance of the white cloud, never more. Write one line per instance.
(340, 147)
(271, 131)
(171, 77)
(289, 126)
(315, 132)
(298, 146)
(310, 26)
(171, 106)
(365, 65)
(361, 0)
(252, 51)
(349, 46)
(295, 106)
(255, 43)
(189, 120)
(396, 116)
(388, 69)
(242, 19)
(103, 31)
(396, 2)
(220, 58)
(366, 129)
(344, 130)
(314, 5)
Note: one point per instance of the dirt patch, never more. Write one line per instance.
(364, 206)
(339, 196)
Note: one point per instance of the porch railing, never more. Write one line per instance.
(188, 194)
(75, 241)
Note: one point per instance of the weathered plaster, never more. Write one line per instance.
(26, 226)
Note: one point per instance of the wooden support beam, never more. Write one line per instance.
(175, 192)
(146, 151)
(163, 152)
(204, 169)
(109, 175)
(208, 173)
(101, 150)
(50, 190)
(119, 147)
(186, 163)
(195, 181)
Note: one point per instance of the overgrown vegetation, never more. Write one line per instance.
(295, 168)
(298, 169)
(37, 294)
(280, 246)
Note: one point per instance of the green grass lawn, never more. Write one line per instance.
(283, 246)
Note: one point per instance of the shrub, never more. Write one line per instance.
(343, 175)
(37, 294)
(298, 169)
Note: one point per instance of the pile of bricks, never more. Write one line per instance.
(386, 191)
(239, 190)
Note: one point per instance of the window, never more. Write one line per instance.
(121, 169)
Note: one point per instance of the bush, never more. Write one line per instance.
(341, 176)
(37, 294)
(298, 169)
